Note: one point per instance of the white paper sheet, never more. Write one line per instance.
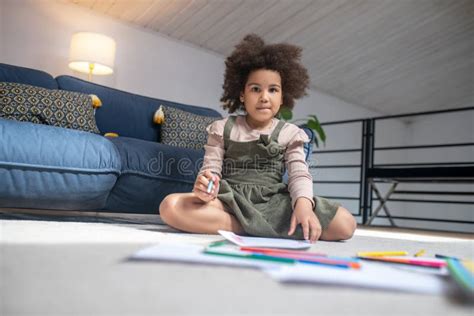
(371, 275)
(194, 254)
(244, 241)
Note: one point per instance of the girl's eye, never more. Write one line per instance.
(255, 89)
(273, 90)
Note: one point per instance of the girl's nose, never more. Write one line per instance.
(264, 96)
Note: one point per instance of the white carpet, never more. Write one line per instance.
(59, 232)
(80, 266)
(56, 232)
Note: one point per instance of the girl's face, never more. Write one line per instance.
(262, 97)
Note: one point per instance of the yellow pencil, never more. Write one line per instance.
(381, 253)
(420, 253)
(469, 264)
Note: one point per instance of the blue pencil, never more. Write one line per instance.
(445, 257)
(461, 275)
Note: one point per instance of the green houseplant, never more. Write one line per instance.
(310, 121)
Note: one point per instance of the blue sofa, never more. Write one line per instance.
(54, 168)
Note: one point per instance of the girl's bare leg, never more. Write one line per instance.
(186, 212)
(341, 227)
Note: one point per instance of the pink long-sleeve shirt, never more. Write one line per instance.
(300, 181)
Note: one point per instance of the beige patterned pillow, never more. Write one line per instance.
(61, 108)
(184, 129)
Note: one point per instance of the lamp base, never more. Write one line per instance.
(91, 69)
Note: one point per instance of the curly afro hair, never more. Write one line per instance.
(253, 54)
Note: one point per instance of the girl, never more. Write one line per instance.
(246, 155)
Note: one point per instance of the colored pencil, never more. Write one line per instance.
(445, 257)
(461, 275)
(281, 251)
(305, 257)
(381, 253)
(415, 262)
(218, 243)
(420, 253)
(279, 258)
(469, 264)
(329, 261)
(250, 256)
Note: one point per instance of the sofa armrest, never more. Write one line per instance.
(51, 167)
(55, 147)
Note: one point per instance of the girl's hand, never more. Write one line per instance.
(304, 215)
(202, 183)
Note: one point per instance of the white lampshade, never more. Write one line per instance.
(92, 53)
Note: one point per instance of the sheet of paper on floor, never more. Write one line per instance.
(246, 241)
(371, 275)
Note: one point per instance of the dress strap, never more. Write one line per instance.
(276, 131)
(228, 128)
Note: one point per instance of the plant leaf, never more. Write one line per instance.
(317, 128)
(316, 125)
(286, 114)
(322, 134)
(316, 141)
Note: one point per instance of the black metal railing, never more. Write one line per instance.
(352, 166)
(367, 150)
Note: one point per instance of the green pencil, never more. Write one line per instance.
(461, 275)
(218, 243)
(251, 256)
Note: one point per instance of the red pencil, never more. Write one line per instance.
(416, 262)
(280, 251)
(303, 256)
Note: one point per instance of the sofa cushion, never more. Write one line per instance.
(47, 167)
(10, 73)
(307, 148)
(61, 108)
(184, 129)
(150, 171)
(124, 113)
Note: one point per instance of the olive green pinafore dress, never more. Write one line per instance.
(253, 190)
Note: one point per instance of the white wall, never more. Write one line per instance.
(443, 128)
(329, 108)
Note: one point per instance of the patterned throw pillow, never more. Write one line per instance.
(61, 108)
(184, 129)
